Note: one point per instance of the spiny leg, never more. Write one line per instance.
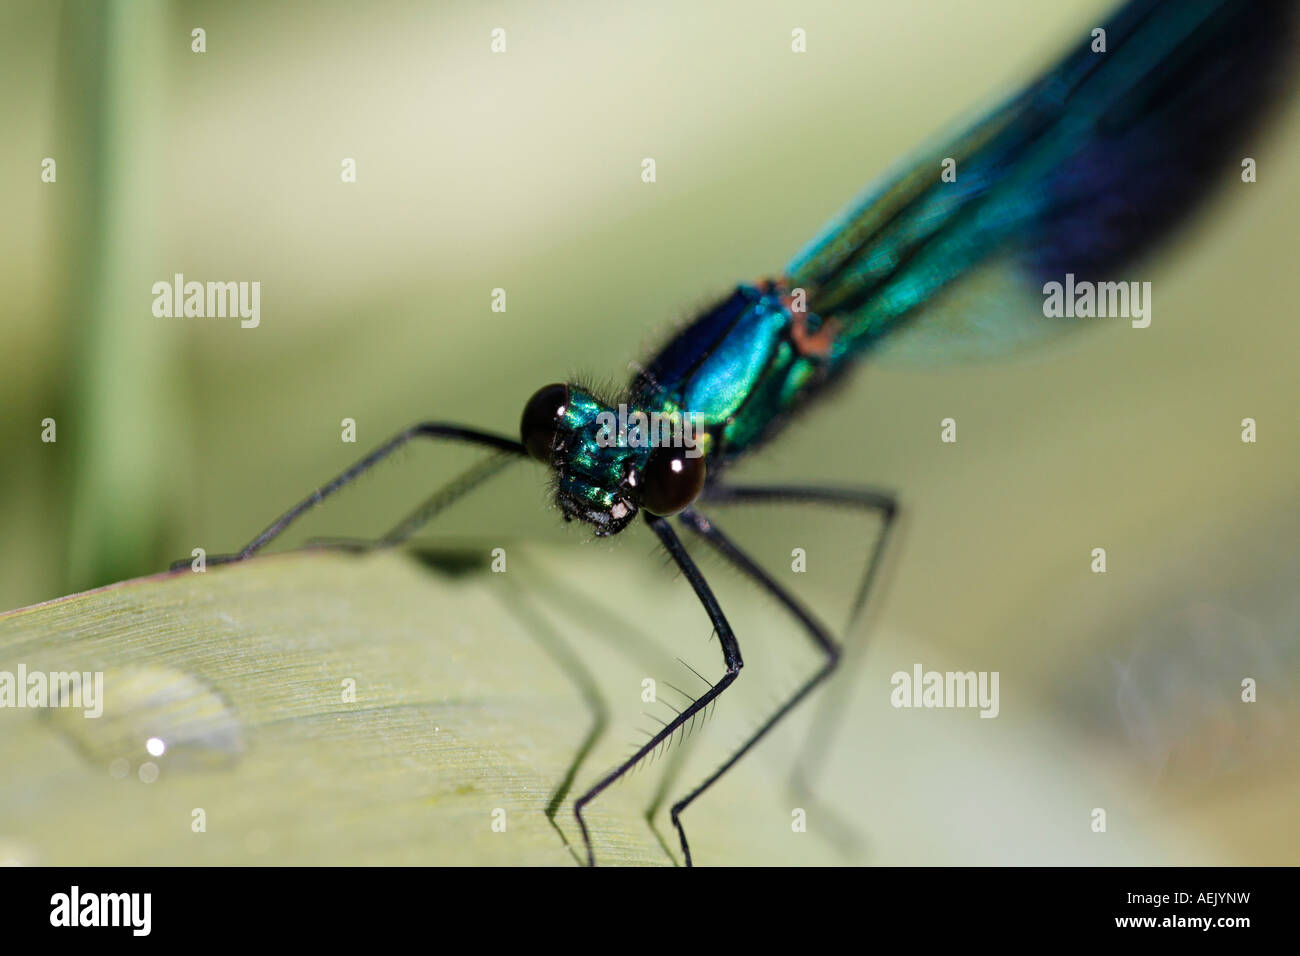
(670, 774)
(714, 536)
(422, 430)
(730, 656)
(830, 710)
(633, 643)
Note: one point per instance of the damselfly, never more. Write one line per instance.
(1071, 180)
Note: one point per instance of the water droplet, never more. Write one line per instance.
(154, 717)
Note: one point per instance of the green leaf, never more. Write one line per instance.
(472, 695)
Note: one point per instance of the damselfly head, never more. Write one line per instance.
(603, 474)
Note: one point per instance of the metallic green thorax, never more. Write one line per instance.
(721, 385)
(739, 369)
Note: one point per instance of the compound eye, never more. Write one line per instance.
(541, 419)
(670, 481)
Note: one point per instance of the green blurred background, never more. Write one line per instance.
(522, 171)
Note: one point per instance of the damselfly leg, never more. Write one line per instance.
(831, 712)
(435, 430)
(730, 657)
